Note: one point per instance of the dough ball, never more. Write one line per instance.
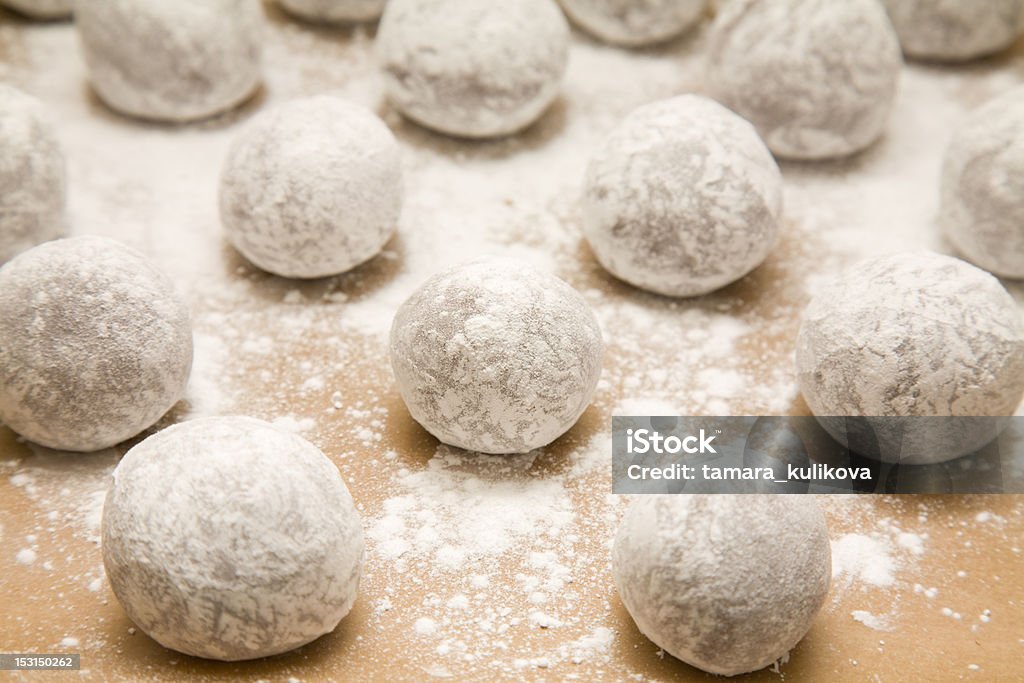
(983, 186)
(33, 186)
(682, 198)
(229, 538)
(634, 23)
(335, 11)
(816, 77)
(40, 9)
(955, 30)
(495, 356)
(171, 60)
(312, 188)
(911, 335)
(95, 345)
(728, 584)
(473, 69)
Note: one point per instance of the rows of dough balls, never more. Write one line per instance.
(683, 198)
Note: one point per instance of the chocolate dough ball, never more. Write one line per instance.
(495, 356)
(312, 188)
(682, 198)
(634, 23)
(229, 538)
(726, 583)
(171, 60)
(817, 78)
(983, 186)
(901, 338)
(473, 69)
(95, 344)
(33, 183)
(954, 30)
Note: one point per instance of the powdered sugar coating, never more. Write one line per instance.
(954, 30)
(633, 23)
(335, 11)
(682, 198)
(495, 356)
(229, 538)
(33, 183)
(95, 345)
(913, 334)
(312, 187)
(816, 77)
(473, 69)
(40, 9)
(983, 186)
(728, 584)
(171, 60)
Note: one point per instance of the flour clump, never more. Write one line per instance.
(33, 183)
(473, 69)
(95, 344)
(816, 77)
(229, 538)
(983, 186)
(312, 188)
(633, 23)
(909, 336)
(495, 356)
(171, 60)
(726, 583)
(682, 198)
(954, 30)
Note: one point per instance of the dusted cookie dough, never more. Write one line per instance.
(33, 186)
(473, 69)
(171, 60)
(312, 188)
(913, 334)
(983, 186)
(95, 345)
(682, 198)
(229, 538)
(634, 23)
(955, 30)
(497, 357)
(335, 11)
(816, 77)
(40, 9)
(726, 583)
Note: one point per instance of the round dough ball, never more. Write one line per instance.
(335, 11)
(229, 538)
(983, 186)
(473, 69)
(682, 198)
(955, 30)
(312, 188)
(171, 60)
(33, 185)
(912, 335)
(95, 345)
(816, 77)
(495, 356)
(40, 9)
(728, 584)
(634, 23)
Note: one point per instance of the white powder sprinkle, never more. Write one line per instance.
(857, 557)
(25, 556)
